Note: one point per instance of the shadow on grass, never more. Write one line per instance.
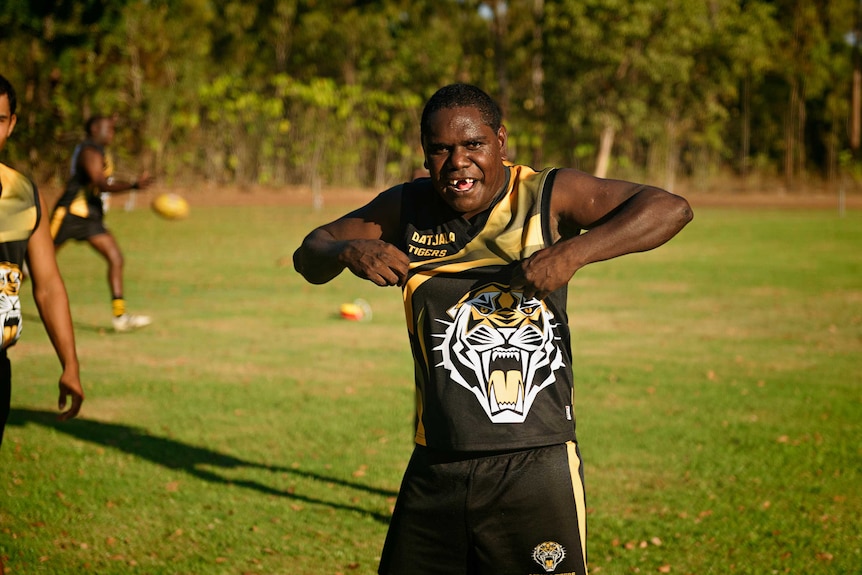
(33, 319)
(174, 454)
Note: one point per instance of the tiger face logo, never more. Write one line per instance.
(501, 348)
(10, 306)
(549, 554)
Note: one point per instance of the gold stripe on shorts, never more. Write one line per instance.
(578, 489)
(57, 221)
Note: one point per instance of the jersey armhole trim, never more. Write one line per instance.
(547, 186)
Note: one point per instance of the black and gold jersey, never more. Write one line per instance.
(493, 369)
(20, 211)
(81, 197)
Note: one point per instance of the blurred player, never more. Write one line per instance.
(80, 211)
(25, 235)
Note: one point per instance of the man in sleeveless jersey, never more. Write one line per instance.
(79, 213)
(24, 236)
(483, 251)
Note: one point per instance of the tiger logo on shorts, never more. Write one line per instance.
(10, 306)
(502, 348)
(548, 555)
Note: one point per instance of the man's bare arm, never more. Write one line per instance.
(360, 241)
(620, 218)
(93, 163)
(49, 292)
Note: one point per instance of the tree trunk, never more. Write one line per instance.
(801, 157)
(606, 145)
(282, 25)
(537, 77)
(380, 164)
(856, 108)
(501, 32)
(856, 96)
(314, 169)
(790, 133)
(746, 127)
(672, 158)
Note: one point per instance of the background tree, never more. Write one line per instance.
(322, 92)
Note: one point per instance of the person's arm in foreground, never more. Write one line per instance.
(92, 162)
(620, 218)
(360, 241)
(49, 292)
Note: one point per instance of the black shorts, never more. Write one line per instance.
(65, 226)
(5, 392)
(521, 513)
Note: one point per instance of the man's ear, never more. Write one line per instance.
(13, 119)
(503, 138)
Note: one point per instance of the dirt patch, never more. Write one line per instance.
(228, 196)
(231, 195)
(775, 200)
(351, 197)
(209, 195)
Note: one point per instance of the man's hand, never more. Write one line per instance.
(70, 387)
(376, 261)
(544, 272)
(143, 181)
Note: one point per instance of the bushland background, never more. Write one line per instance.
(725, 95)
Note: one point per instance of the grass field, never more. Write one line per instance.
(252, 431)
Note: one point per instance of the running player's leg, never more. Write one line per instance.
(107, 246)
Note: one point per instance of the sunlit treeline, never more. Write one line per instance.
(330, 91)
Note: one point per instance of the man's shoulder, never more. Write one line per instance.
(8, 169)
(12, 176)
(418, 193)
(414, 186)
(88, 145)
(17, 188)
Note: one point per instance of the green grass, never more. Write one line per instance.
(250, 430)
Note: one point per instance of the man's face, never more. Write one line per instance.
(7, 120)
(103, 131)
(465, 158)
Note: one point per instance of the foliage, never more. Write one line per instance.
(652, 88)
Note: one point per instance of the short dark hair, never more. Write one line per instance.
(6, 88)
(93, 120)
(462, 96)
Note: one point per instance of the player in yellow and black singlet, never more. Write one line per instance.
(24, 236)
(79, 213)
(484, 251)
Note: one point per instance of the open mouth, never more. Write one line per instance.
(505, 382)
(462, 185)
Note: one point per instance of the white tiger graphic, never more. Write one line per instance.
(502, 349)
(549, 554)
(10, 306)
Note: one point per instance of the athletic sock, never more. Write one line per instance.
(119, 306)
